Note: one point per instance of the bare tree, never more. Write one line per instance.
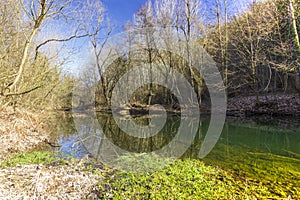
(293, 21)
(144, 19)
(249, 38)
(33, 17)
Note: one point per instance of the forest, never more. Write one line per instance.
(256, 51)
(60, 58)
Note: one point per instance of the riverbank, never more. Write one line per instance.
(82, 179)
(28, 173)
(44, 176)
(21, 130)
(242, 106)
(55, 180)
(272, 105)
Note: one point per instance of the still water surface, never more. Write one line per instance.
(267, 149)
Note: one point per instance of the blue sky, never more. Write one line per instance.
(121, 11)
(118, 12)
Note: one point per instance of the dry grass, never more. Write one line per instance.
(48, 182)
(20, 131)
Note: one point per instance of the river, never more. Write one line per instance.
(262, 148)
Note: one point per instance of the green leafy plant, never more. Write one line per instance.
(188, 179)
(35, 157)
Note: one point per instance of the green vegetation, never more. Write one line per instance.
(188, 179)
(35, 157)
(144, 162)
(256, 51)
(280, 174)
(185, 179)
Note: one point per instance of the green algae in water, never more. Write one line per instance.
(280, 174)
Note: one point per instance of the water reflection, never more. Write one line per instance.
(267, 149)
(103, 138)
(277, 136)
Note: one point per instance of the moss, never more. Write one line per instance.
(35, 157)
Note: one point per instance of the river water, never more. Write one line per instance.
(264, 148)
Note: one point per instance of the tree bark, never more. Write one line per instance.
(294, 23)
(38, 21)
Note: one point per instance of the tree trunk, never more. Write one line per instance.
(37, 23)
(226, 46)
(294, 23)
(297, 81)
